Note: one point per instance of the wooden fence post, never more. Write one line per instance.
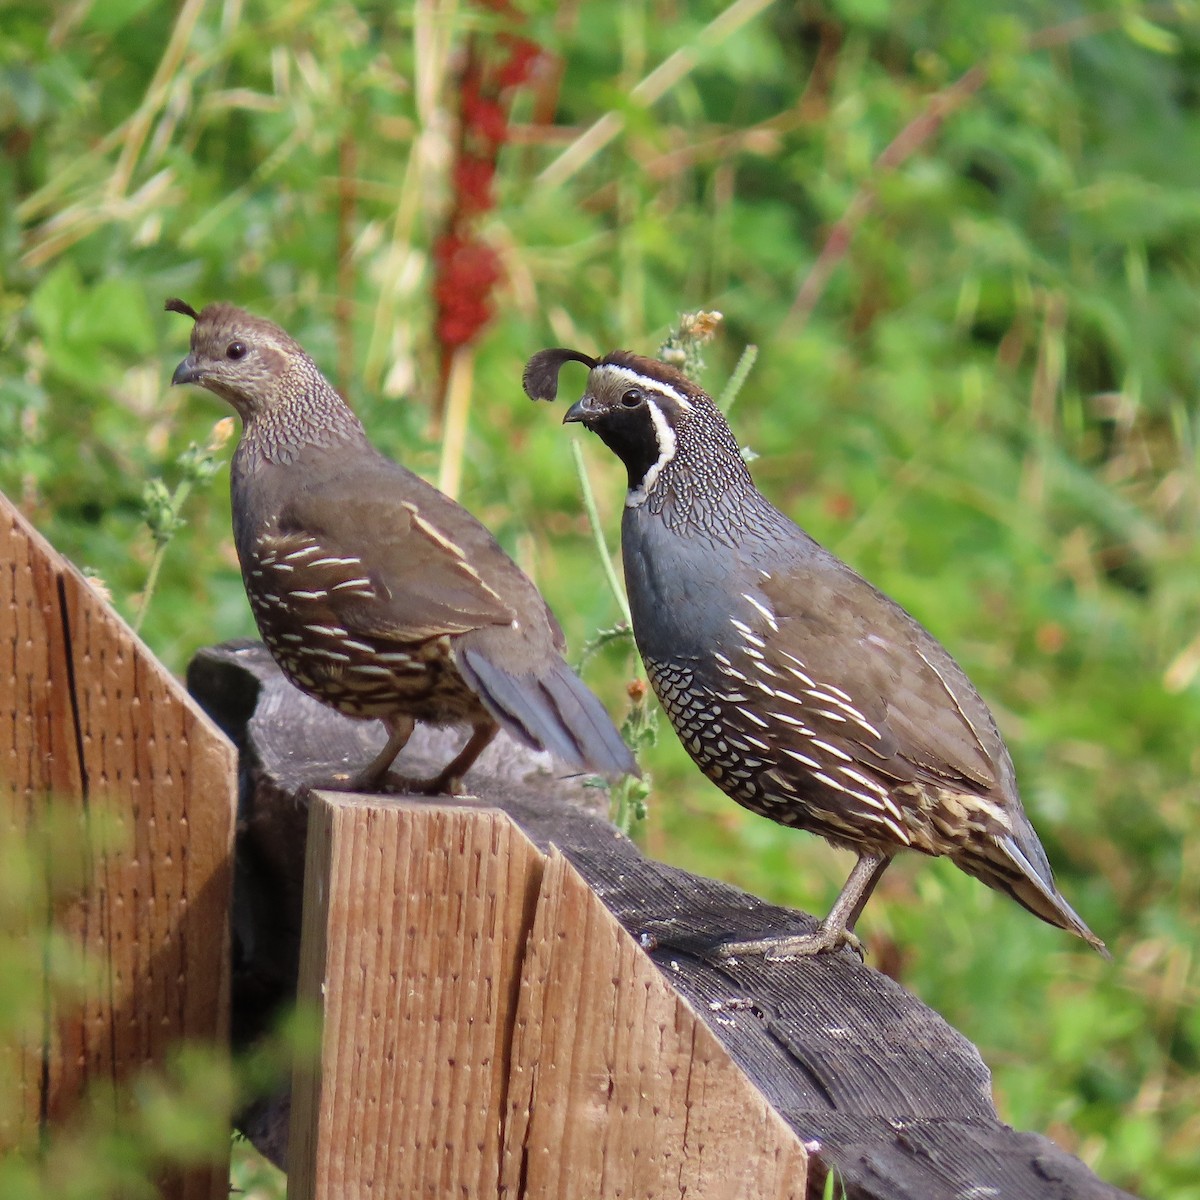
(488, 1033)
(96, 726)
(416, 918)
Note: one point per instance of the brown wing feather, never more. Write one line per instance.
(902, 694)
(422, 581)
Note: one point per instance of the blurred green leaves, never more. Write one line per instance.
(90, 335)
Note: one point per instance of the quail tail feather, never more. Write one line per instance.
(1009, 869)
(552, 711)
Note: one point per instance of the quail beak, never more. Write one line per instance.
(582, 410)
(186, 372)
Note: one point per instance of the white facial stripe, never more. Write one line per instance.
(666, 452)
(631, 377)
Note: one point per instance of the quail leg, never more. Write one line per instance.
(835, 931)
(375, 777)
(371, 777)
(449, 781)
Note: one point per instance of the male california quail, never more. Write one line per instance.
(804, 693)
(377, 594)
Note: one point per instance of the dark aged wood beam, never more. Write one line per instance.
(870, 1082)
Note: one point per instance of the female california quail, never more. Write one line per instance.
(377, 594)
(803, 692)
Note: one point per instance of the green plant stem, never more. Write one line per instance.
(628, 797)
(178, 498)
(606, 637)
(738, 379)
(593, 516)
(650, 90)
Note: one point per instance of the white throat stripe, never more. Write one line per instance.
(666, 451)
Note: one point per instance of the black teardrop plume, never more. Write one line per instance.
(181, 306)
(540, 380)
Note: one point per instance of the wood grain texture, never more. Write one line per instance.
(618, 1087)
(147, 786)
(878, 1086)
(417, 916)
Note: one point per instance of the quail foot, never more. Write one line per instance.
(375, 593)
(804, 693)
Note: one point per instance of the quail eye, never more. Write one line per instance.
(235, 350)
(633, 397)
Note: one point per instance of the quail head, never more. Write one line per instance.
(802, 691)
(377, 594)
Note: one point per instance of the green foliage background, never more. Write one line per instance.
(989, 407)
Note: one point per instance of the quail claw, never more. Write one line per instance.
(441, 784)
(789, 948)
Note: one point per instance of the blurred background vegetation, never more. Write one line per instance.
(966, 240)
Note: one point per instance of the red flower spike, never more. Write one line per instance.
(467, 268)
(486, 118)
(523, 59)
(473, 184)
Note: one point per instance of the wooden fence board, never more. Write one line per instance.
(618, 1087)
(418, 915)
(101, 730)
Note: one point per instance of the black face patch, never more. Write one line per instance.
(631, 435)
(636, 415)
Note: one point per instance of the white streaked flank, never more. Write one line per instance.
(797, 669)
(830, 748)
(333, 631)
(762, 608)
(953, 698)
(802, 759)
(330, 561)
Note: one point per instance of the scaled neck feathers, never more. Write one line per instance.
(308, 413)
(702, 485)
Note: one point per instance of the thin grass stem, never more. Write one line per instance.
(457, 417)
(737, 380)
(593, 516)
(178, 499)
